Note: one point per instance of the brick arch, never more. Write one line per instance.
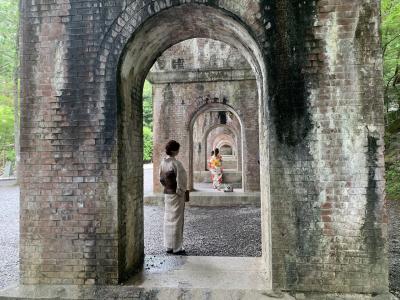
(214, 106)
(204, 104)
(313, 136)
(238, 142)
(222, 140)
(129, 51)
(134, 15)
(228, 146)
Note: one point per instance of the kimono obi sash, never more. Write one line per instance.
(168, 180)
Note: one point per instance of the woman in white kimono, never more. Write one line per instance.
(174, 179)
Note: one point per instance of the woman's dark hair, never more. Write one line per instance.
(216, 151)
(212, 153)
(172, 146)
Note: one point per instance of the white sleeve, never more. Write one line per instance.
(181, 179)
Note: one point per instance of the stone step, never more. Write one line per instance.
(229, 164)
(183, 291)
(171, 277)
(217, 198)
(228, 176)
(207, 186)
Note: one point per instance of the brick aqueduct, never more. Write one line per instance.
(318, 74)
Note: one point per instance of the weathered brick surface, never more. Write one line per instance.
(319, 73)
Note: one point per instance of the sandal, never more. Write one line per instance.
(180, 252)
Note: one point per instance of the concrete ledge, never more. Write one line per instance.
(230, 164)
(205, 75)
(325, 296)
(8, 181)
(228, 176)
(130, 292)
(211, 199)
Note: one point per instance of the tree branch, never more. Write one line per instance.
(389, 42)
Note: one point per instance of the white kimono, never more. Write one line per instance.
(174, 205)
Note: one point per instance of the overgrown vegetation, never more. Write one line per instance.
(8, 76)
(391, 52)
(147, 122)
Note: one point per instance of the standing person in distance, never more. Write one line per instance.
(216, 169)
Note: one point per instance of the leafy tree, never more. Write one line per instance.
(8, 34)
(7, 132)
(147, 145)
(9, 21)
(391, 55)
(147, 122)
(148, 105)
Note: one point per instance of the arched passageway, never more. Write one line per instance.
(205, 132)
(215, 134)
(226, 149)
(208, 140)
(321, 130)
(244, 164)
(143, 49)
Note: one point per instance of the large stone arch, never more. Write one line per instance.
(202, 130)
(227, 148)
(137, 58)
(321, 135)
(238, 143)
(224, 140)
(220, 106)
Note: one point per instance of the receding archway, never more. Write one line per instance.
(206, 142)
(235, 143)
(226, 149)
(158, 33)
(218, 107)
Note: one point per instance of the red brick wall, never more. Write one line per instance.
(319, 71)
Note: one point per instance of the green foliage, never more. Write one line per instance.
(6, 125)
(393, 181)
(147, 122)
(8, 34)
(391, 55)
(8, 61)
(391, 52)
(147, 144)
(147, 105)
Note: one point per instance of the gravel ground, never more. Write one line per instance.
(9, 233)
(394, 246)
(209, 231)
